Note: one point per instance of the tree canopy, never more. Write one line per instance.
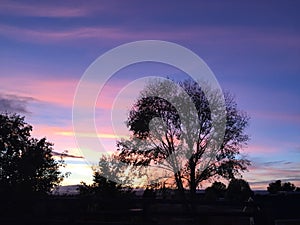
(215, 191)
(238, 190)
(277, 186)
(26, 163)
(188, 144)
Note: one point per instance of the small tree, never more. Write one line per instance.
(274, 187)
(215, 191)
(238, 190)
(26, 164)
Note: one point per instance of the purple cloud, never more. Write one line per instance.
(14, 103)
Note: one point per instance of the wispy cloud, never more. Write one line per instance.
(238, 36)
(274, 163)
(14, 103)
(262, 185)
(81, 33)
(45, 9)
(264, 172)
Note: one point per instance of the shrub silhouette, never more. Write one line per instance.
(238, 190)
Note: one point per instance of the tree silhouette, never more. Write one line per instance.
(274, 187)
(26, 163)
(238, 190)
(180, 144)
(215, 191)
(277, 186)
(288, 187)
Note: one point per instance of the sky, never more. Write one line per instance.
(252, 47)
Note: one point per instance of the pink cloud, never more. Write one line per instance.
(292, 118)
(260, 149)
(64, 138)
(54, 91)
(49, 93)
(59, 92)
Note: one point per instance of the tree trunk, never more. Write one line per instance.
(181, 191)
(179, 182)
(192, 179)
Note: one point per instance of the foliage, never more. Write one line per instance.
(274, 187)
(287, 186)
(215, 191)
(277, 186)
(27, 164)
(161, 137)
(238, 190)
(110, 179)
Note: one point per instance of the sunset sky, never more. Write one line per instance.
(253, 48)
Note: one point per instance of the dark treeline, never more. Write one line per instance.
(148, 209)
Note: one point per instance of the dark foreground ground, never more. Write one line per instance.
(266, 210)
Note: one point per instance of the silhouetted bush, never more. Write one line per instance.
(216, 191)
(238, 190)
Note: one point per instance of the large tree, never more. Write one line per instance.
(26, 164)
(175, 127)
